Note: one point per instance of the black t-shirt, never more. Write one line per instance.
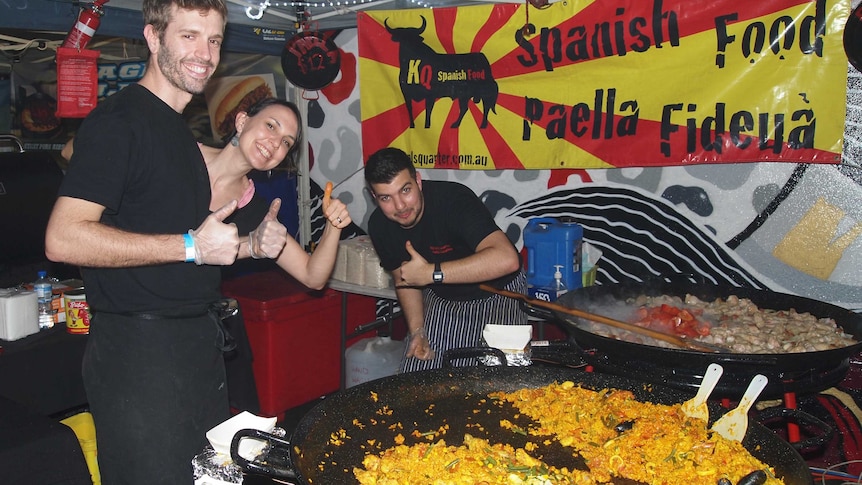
(453, 224)
(137, 157)
(248, 217)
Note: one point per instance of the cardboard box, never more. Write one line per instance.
(295, 336)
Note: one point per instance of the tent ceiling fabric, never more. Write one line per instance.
(123, 18)
(327, 14)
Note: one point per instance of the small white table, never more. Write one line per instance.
(385, 293)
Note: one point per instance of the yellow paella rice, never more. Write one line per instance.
(659, 443)
(476, 462)
(616, 435)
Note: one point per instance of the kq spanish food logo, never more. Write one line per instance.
(426, 75)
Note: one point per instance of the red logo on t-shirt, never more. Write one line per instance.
(441, 249)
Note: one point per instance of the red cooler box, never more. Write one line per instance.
(295, 336)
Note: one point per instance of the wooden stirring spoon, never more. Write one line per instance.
(696, 407)
(593, 317)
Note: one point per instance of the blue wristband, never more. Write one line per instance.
(190, 247)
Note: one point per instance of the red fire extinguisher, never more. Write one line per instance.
(86, 25)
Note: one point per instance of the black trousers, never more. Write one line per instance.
(241, 387)
(154, 387)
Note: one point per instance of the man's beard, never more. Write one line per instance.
(416, 216)
(172, 70)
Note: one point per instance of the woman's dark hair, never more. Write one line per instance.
(384, 164)
(289, 163)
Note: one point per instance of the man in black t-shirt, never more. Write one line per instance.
(440, 242)
(133, 211)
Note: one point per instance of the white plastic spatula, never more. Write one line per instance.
(734, 424)
(696, 407)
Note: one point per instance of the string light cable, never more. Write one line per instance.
(832, 476)
(255, 11)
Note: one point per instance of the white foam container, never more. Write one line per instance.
(19, 314)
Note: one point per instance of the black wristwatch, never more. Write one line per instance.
(438, 273)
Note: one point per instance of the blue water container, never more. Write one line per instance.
(549, 242)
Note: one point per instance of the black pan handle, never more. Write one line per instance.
(255, 467)
(815, 442)
(467, 352)
(536, 312)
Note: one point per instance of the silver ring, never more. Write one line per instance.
(338, 219)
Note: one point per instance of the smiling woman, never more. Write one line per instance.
(263, 136)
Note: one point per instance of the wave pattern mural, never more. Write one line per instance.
(641, 237)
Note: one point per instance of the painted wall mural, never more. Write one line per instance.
(794, 228)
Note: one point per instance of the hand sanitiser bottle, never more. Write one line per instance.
(559, 286)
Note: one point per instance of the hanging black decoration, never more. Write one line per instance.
(310, 60)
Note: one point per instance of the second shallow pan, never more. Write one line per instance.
(597, 296)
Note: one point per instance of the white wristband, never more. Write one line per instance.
(196, 254)
(189, 241)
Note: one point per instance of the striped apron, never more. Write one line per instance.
(452, 324)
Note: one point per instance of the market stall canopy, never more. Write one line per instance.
(254, 27)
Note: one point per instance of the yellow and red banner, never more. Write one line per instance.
(606, 83)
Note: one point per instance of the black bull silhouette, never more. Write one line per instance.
(426, 74)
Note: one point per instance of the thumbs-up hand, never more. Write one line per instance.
(268, 240)
(216, 242)
(272, 213)
(336, 213)
(334, 210)
(417, 271)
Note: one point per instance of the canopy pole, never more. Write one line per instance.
(303, 175)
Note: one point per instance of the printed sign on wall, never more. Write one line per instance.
(583, 84)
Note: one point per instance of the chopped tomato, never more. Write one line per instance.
(672, 320)
(670, 310)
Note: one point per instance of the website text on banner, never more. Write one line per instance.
(584, 84)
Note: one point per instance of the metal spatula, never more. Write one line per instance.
(696, 407)
(734, 424)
